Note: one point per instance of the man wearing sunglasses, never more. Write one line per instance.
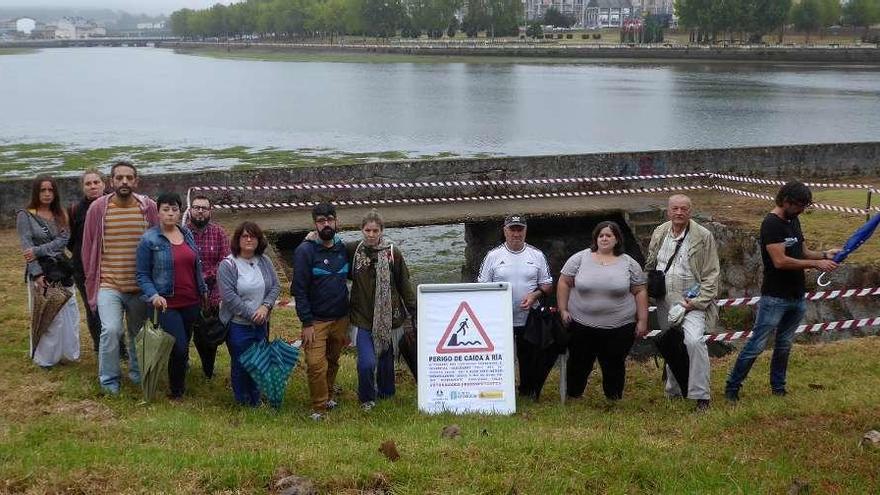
(782, 305)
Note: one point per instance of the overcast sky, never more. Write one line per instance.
(151, 7)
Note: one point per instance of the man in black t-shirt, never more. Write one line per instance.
(782, 304)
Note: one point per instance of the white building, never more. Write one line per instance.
(535, 9)
(75, 28)
(25, 25)
(151, 26)
(607, 13)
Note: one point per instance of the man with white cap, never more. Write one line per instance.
(526, 269)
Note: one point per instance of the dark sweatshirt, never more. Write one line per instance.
(319, 281)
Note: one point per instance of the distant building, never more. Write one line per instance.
(75, 28)
(535, 9)
(607, 13)
(43, 32)
(151, 26)
(25, 25)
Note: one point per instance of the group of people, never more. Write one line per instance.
(602, 298)
(134, 258)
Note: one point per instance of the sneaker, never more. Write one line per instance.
(703, 405)
(331, 404)
(316, 416)
(780, 393)
(337, 390)
(368, 406)
(731, 395)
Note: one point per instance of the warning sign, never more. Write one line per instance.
(465, 348)
(465, 333)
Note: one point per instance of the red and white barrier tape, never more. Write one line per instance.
(822, 295)
(458, 199)
(455, 183)
(818, 206)
(813, 328)
(774, 182)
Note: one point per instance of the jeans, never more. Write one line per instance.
(371, 370)
(783, 315)
(112, 306)
(178, 323)
(239, 339)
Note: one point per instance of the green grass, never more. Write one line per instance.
(26, 160)
(16, 51)
(57, 434)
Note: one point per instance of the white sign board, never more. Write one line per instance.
(465, 344)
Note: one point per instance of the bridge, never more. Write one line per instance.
(87, 42)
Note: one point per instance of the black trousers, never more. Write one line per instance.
(534, 364)
(609, 346)
(92, 319)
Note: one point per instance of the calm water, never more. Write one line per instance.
(102, 97)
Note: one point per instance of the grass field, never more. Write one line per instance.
(59, 435)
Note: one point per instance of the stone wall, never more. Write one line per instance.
(849, 54)
(812, 161)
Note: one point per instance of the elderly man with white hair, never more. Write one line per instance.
(686, 251)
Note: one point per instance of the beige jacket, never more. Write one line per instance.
(703, 257)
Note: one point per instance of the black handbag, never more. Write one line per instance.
(209, 330)
(57, 270)
(657, 278)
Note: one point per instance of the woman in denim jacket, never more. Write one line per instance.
(169, 274)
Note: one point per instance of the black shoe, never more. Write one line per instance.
(780, 393)
(731, 395)
(703, 405)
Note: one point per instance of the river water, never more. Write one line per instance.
(100, 97)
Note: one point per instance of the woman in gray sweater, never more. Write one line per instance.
(248, 289)
(602, 298)
(43, 231)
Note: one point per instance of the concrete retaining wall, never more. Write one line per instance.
(815, 161)
(848, 54)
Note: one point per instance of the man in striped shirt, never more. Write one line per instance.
(113, 227)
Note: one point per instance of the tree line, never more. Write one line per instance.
(380, 18)
(711, 20)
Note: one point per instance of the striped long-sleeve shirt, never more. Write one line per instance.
(123, 228)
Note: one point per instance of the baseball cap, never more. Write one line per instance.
(515, 220)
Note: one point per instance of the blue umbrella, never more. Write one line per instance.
(270, 365)
(854, 242)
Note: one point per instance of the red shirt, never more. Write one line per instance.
(186, 293)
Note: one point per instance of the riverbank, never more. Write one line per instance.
(16, 51)
(58, 434)
(24, 160)
(863, 54)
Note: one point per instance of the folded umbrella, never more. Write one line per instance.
(153, 351)
(47, 302)
(854, 242)
(270, 364)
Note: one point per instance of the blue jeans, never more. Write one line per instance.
(238, 340)
(774, 313)
(178, 323)
(371, 371)
(112, 306)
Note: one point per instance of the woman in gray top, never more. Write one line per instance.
(248, 289)
(43, 230)
(602, 298)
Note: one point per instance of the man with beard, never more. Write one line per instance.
(319, 286)
(213, 244)
(113, 227)
(92, 183)
(782, 304)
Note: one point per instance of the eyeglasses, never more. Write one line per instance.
(248, 236)
(201, 208)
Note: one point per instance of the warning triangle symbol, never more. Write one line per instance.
(464, 334)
